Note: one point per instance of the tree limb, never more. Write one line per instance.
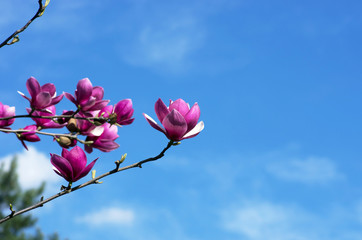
(13, 38)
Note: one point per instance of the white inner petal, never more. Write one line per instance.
(198, 128)
(151, 119)
(97, 131)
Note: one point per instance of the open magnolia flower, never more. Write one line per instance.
(41, 96)
(6, 111)
(121, 113)
(86, 97)
(72, 165)
(178, 120)
(103, 139)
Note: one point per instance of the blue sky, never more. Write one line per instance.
(280, 92)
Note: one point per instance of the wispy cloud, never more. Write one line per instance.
(107, 216)
(33, 168)
(263, 220)
(260, 220)
(166, 44)
(308, 170)
(127, 222)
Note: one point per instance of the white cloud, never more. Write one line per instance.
(264, 220)
(34, 167)
(106, 216)
(309, 170)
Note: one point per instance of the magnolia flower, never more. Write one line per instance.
(29, 136)
(6, 111)
(87, 98)
(121, 113)
(45, 122)
(105, 141)
(72, 165)
(41, 96)
(178, 120)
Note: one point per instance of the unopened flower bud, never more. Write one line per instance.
(66, 142)
(72, 125)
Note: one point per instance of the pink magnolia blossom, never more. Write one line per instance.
(41, 96)
(29, 136)
(121, 113)
(6, 111)
(43, 122)
(72, 165)
(105, 141)
(86, 97)
(178, 120)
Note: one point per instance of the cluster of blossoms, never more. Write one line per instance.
(94, 119)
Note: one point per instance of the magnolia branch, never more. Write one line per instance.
(13, 38)
(55, 135)
(95, 180)
(55, 117)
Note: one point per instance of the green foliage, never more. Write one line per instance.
(11, 193)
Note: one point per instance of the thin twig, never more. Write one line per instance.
(93, 181)
(55, 135)
(13, 38)
(54, 117)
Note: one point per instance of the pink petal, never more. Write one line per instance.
(98, 93)
(98, 105)
(77, 159)
(48, 87)
(56, 100)
(86, 170)
(153, 123)
(175, 125)
(126, 122)
(85, 105)
(88, 149)
(180, 105)
(84, 90)
(161, 110)
(106, 145)
(63, 166)
(192, 116)
(110, 132)
(33, 87)
(42, 100)
(70, 97)
(32, 138)
(23, 143)
(9, 111)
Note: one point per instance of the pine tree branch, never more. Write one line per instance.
(93, 181)
(13, 38)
